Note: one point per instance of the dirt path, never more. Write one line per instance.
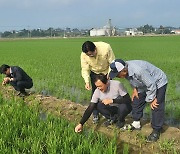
(73, 112)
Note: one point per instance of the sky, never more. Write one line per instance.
(82, 14)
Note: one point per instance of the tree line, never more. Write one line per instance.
(50, 32)
(68, 32)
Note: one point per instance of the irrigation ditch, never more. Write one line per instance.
(168, 142)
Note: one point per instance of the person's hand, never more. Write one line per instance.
(6, 80)
(154, 104)
(88, 86)
(107, 101)
(134, 94)
(108, 77)
(78, 128)
(3, 83)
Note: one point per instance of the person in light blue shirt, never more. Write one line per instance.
(149, 85)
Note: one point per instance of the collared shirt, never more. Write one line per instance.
(114, 90)
(10, 70)
(98, 64)
(145, 77)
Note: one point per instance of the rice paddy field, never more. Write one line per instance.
(54, 65)
(22, 130)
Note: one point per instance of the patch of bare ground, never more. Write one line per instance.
(73, 112)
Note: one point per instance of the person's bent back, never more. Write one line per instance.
(16, 77)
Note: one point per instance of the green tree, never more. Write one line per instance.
(146, 29)
(6, 34)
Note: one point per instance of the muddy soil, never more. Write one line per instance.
(73, 112)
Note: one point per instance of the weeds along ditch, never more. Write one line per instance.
(22, 130)
(54, 64)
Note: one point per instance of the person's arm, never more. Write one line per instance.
(111, 56)
(122, 99)
(154, 104)
(85, 117)
(17, 74)
(149, 82)
(123, 95)
(6, 80)
(85, 71)
(151, 90)
(134, 94)
(119, 100)
(88, 113)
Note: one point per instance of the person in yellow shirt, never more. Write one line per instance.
(95, 59)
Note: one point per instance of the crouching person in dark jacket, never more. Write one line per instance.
(17, 78)
(111, 100)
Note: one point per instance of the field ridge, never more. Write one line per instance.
(73, 112)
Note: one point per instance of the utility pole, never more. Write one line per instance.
(51, 31)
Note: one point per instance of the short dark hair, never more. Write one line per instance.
(101, 77)
(4, 68)
(88, 46)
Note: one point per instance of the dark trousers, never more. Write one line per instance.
(92, 78)
(22, 85)
(157, 114)
(118, 112)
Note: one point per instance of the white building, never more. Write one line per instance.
(133, 32)
(176, 31)
(98, 32)
(107, 30)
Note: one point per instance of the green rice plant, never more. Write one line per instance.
(141, 139)
(125, 148)
(172, 109)
(23, 131)
(167, 146)
(54, 64)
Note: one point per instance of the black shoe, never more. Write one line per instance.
(23, 94)
(120, 124)
(109, 122)
(153, 137)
